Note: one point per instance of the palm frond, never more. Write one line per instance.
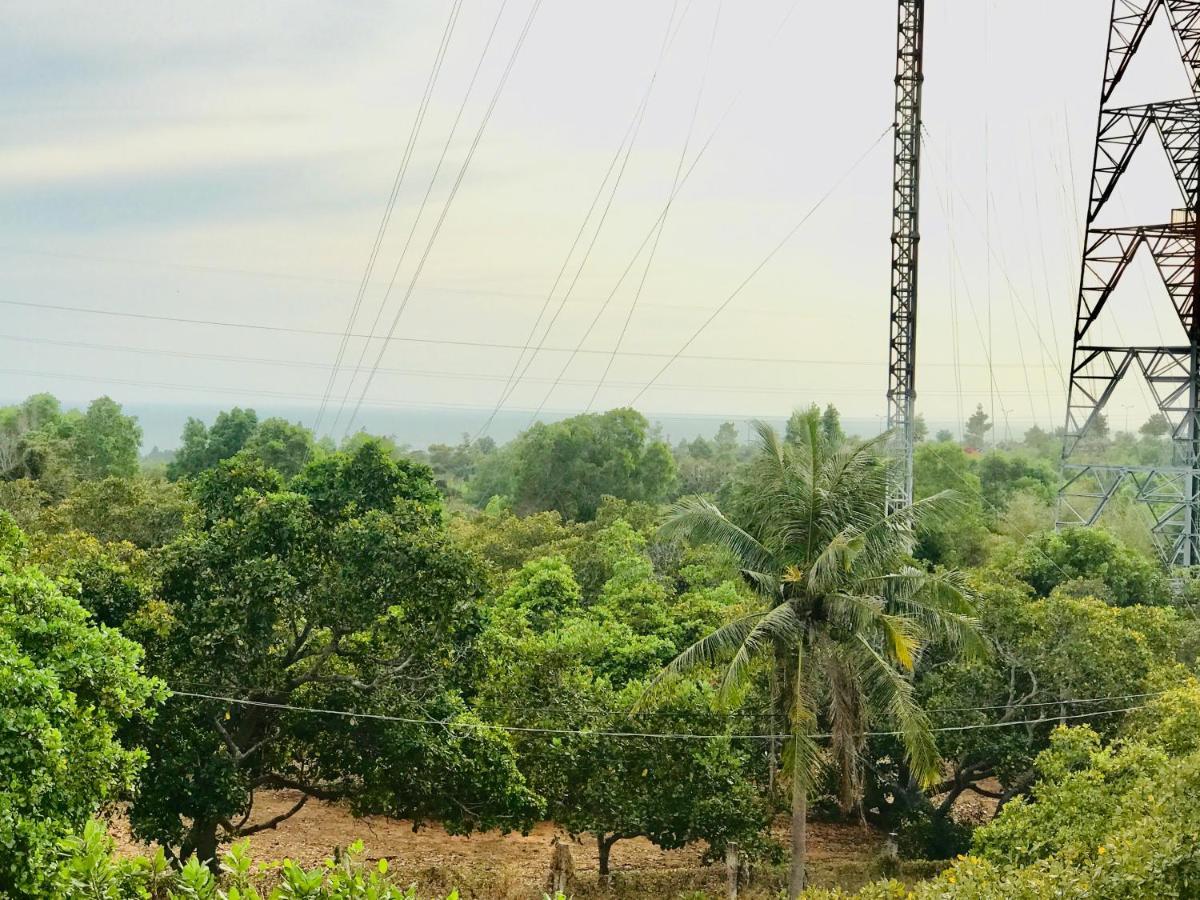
(891, 692)
(851, 466)
(709, 650)
(835, 561)
(771, 445)
(702, 521)
(766, 583)
(855, 612)
(779, 626)
(802, 755)
(942, 602)
(903, 641)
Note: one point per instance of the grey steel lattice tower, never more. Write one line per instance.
(906, 242)
(1173, 372)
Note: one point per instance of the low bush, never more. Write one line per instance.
(89, 871)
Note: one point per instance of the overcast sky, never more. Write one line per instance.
(231, 161)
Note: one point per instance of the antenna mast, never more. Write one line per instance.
(906, 240)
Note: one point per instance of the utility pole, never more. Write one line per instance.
(906, 241)
(1172, 492)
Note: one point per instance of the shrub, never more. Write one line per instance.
(66, 688)
(89, 871)
(924, 836)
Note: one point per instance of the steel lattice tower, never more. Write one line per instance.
(906, 241)
(1173, 373)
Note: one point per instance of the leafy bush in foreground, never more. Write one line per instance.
(90, 872)
(1117, 821)
(67, 687)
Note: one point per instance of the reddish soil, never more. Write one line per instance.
(513, 859)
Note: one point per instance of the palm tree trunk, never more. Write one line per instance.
(799, 836)
(799, 788)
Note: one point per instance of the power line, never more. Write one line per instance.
(624, 149)
(762, 264)
(662, 220)
(993, 254)
(519, 729)
(302, 364)
(948, 211)
(210, 389)
(770, 713)
(1077, 701)
(953, 284)
(637, 296)
(397, 183)
(696, 160)
(512, 60)
(412, 231)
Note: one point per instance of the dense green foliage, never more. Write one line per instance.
(1093, 562)
(1113, 821)
(577, 633)
(569, 466)
(1048, 650)
(340, 592)
(476, 636)
(38, 440)
(277, 443)
(66, 689)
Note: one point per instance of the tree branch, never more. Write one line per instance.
(274, 821)
(317, 792)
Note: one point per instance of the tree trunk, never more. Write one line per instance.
(605, 844)
(799, 836)
(201, 842)
(733, 870)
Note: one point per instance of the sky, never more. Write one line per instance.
(230, 163)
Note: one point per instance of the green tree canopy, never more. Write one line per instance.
(1056, 558)
(104, 441)
(67, 688)
(201, 447)
(564, 658)
(147, 512)
(1048, 653)
(978, 426)
(344, 593)
(569, 466)
(707, 466)
(959, 535)
(283, 446)
(39, 441)
(1156, 426)
(1114, 820)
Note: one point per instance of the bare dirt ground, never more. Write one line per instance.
(498, 865)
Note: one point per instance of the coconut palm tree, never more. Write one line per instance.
(842, 613)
